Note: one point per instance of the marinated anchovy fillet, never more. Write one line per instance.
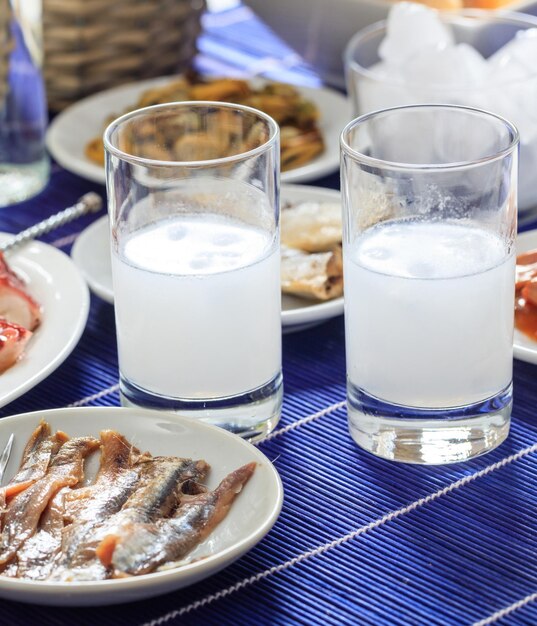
(81, 509)
(155, 496)
(141, 548)
(318, 275)
(23, 512)
(39, 450)
(36, 558)
(139, 513)
(87, 507)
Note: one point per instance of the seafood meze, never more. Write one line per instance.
(139, 513)
(20, 315)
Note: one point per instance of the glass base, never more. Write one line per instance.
(19, 182)
(428, 436)
(251, 415)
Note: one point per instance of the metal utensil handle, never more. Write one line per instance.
(88, 203)
(5, 456)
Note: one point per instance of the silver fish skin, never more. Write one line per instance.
(155, 496)
(36, 458)
(36, 558)
(87, 507)
(24, 511)
(141, 548)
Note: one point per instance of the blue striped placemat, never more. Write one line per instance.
(359, 540)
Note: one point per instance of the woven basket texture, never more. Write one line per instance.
(6, 45)
(90, 45)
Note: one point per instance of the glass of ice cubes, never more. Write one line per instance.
(473, 58)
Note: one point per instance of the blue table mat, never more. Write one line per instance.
(360, 540)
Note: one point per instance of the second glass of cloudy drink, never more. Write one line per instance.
(194, 209)
(429, 195)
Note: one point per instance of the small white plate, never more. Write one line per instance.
(91, 254)
(53, 281)
(72, 129)
(524, 348)
(251, 517)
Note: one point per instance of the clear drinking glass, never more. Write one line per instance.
(24, 164)
(429, 205)
(193, 192)
(506, 94)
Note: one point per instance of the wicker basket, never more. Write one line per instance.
(6, 46)
(90, 45)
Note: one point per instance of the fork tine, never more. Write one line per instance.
(4, 458)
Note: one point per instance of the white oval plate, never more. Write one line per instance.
(54, 281)
(72, 129)
(251, 517)
(523, 347)
(92, 255)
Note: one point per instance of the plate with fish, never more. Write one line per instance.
(44, 305)
(309, 139)
(525, 343)
(106, 505)
(312, 272)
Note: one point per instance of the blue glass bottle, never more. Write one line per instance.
(24, 165)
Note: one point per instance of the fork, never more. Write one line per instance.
(4, 458)
(89, 203)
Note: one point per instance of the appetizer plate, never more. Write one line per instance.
(250, 518)
(91, 254)
(71, 130)
(524, 348)
(55, 282)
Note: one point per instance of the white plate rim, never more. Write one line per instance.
(309, 314)
(48, 592)
(68, 282)
(335, 111)
(524, 348)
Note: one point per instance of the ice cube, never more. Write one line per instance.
(517, 58)
(412, 28)
(455, 66)
(380, 90)
(514, 74)
(526, 175)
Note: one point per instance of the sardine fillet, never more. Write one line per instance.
(141, 548)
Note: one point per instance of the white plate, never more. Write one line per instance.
(91, 254)
(54, 282)
(249, 520)
(71, 130)
(524, 348)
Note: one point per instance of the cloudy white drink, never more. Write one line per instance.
(429, 314)
(198, 307)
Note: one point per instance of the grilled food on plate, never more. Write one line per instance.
(300, 137)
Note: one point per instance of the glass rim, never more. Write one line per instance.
(462, 16)
(381, 163)
(241, 156)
